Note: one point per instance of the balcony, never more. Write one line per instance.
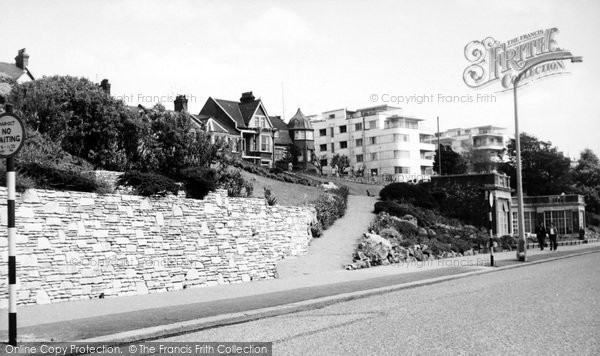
(554, 199)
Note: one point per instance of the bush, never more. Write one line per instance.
(269, 197)
(148, 184)
(51, 177)
(416, 194)
(198, 181)
(331, 205)
(235, 184)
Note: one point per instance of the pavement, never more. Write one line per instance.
(144, 317)
(334, 249)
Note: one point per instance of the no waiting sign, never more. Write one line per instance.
(12, 135)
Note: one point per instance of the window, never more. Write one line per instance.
(402, 170)
(373, 124)
(332, 147)
(343, 129)
(331, 116)
(359, 158)
(343, 144)
(401, 154)
(400, 138)
(323, 147)
(358, 126)
(426, 170)
(373, 140)
(323, 162)
(276, 134)
(374, 171)
(265, 143)
(332, 132)
(310, 135)
(323, 132)
(374, 156)
(299, 135)
(359, 142)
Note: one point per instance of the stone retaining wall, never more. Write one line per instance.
(73, 245)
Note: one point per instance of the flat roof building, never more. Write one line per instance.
(378, 140)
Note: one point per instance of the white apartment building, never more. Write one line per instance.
(492, 139)
(377, 140)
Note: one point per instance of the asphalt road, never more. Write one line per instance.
(545, 309)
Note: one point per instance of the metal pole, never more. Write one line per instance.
(439, 148)
(490, 216)
(12, 248)
(520, 212)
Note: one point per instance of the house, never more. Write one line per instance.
(245, 124)
(17, 72)
(281, 137)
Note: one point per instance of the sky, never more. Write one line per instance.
(320, 56)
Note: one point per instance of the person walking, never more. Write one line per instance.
(552, 232)
(540, 232)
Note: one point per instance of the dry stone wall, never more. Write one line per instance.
(73, 245)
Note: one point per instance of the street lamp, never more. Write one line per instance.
(521, 217)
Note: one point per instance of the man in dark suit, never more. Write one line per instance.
(540, 231)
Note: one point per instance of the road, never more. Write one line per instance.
(551, 308)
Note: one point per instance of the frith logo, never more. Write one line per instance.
(492, 61)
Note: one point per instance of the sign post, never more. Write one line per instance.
(12, 136)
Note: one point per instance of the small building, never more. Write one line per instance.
(492, 184)
(281, 138)
(302, 134)
(566, 212)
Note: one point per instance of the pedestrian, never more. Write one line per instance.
(540, 232)
(552, 232)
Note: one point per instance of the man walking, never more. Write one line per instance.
(540, 232)
(552, 233)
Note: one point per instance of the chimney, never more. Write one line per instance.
(105, 85)
(22, 59)
(181, 103)
(247, 97)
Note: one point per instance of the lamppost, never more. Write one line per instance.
(522, 255)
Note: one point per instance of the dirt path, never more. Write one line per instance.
(333, 250)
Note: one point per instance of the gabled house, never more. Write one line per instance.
(17, 72)
(244, 123)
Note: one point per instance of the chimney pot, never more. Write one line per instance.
(247, 97)
(22, 59)
(181, 103)
(105, 85)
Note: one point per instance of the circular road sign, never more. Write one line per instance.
(12, 135)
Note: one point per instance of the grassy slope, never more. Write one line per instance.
(286, 193)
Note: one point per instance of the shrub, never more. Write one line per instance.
(235, 184)
(51, 177)
(269, 197)
(198, 181)
(416, 194)
(148, 184)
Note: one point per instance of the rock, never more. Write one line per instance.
(468, 253)
(411, 219)
(431, 233)
(419, 255)
(422, 231)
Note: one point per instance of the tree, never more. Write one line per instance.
(77, 113)
(586, 176)
(545, 171)
(452, 162)
(316, 161)
(340, 162)
(166, 142)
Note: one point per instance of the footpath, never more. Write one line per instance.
(301, 287)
